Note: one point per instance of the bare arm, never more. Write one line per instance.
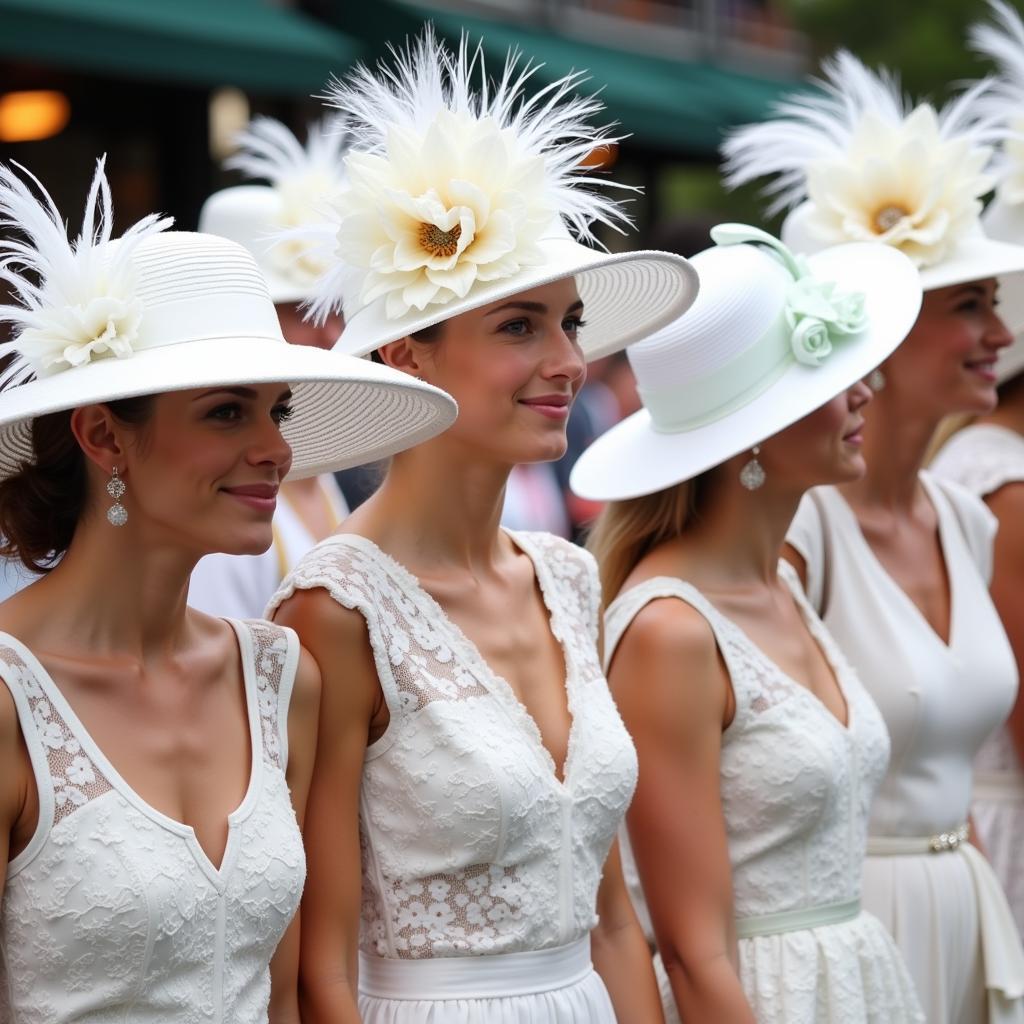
(1008, 506)
(303, 722)
(350, 701)
(676, 825)
(620, 951)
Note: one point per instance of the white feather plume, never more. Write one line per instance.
(821, 125)
(74, 299)
(437, 111)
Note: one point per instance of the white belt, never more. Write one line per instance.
(999, 787)
(1001, 949)
(796, 920)
(476, 977)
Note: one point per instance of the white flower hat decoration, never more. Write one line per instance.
(854, 163)
(462, 191)
(266, 218)
(98, 318)
(1002, 41)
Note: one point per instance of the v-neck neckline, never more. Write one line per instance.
(497, 685)
(941, 515)
(216, 873)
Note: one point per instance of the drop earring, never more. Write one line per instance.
(876, 380)
(752, 474)
(117, 514)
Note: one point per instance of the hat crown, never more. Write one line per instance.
(742, 292)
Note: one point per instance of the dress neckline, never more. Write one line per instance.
(942, 512)
(495, 684)
(217, 873)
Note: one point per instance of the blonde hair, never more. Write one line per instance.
(625, 531)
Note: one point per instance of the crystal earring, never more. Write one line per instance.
(117, 514)
(752, 474)
(876, 380)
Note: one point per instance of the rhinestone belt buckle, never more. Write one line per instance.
(945, 842)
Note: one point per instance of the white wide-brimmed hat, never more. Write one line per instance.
(854, 164)
(158, 311)
(1003, 42)
(262, 217)
(771, 338)
(462, 191)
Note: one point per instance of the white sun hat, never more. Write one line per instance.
(158, 311)
(854, 163)
(1003, 43)
(261, 217)
(462, 191)
(771, 338)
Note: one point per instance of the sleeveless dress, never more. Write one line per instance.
(480, 867)
(113, 912)
(935, 892)
(796, 787)
(982, 458)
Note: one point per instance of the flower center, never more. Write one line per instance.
(888, 217)
(438, 242)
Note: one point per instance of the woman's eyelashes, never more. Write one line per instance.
(235, 412)
(523, 327)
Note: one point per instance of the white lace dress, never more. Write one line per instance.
(480, 868)
(796, 787)
(940, 701)
(984, 458)
(113, 913)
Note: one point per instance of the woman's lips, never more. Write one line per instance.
(261, 497)
(555, 407)
(984, 368)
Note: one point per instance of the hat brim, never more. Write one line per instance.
(634, 459)
(346, 411)
(626, 296)
(975, 258)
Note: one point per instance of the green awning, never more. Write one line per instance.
(668, 104)
(248, 43)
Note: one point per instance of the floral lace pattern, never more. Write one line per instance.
(112, 913)
(470, 843)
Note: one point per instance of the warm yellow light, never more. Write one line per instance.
(28, 116)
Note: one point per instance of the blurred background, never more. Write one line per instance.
(162, 85)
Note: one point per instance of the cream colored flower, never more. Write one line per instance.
(902, 184)
(437, 212)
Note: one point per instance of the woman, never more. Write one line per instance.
(300, 177)
(896, 562)
(759, 749)
(154, 858)
(988, 459)
(472, 768)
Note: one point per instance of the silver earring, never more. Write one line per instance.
(752, 474)
(876, 380)
(117, 514)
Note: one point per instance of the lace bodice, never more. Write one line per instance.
(113, 912)
(796, 785)
(470, 843)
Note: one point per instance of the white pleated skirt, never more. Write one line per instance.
(951, 922)
(547, 986)
(997, 809)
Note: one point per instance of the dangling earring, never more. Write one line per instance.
(876, 380)
(752, 474)
(117, 514)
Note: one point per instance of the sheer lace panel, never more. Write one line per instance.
(422, 662)
(446, 914)
(76, 779)
(270, 653)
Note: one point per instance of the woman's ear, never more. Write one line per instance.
(402, 355)
(100, 437)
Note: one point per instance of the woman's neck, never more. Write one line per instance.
(440, 506)
(895, 446)
(110, 595)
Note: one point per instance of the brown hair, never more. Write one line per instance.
(42, 503)
(431, 333)
(627, 530)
